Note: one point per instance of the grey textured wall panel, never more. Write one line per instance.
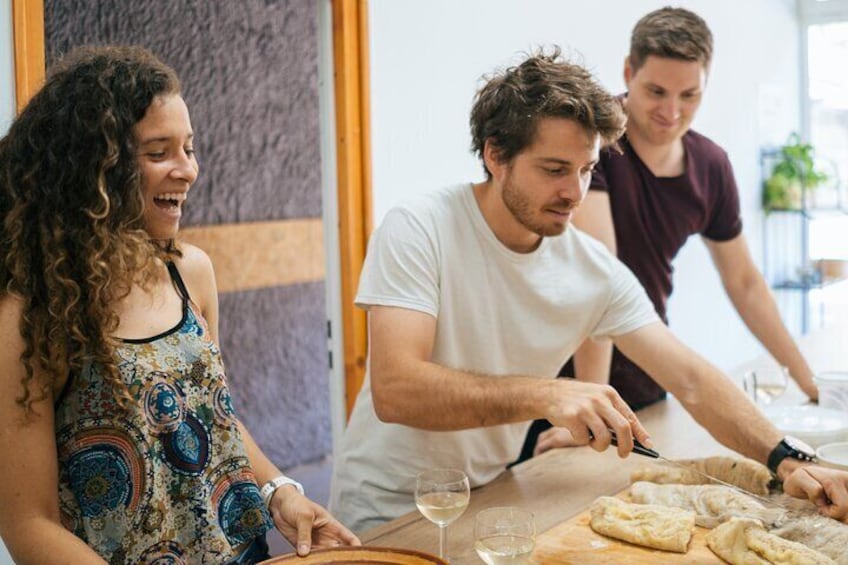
(274, 346)
(250, 77)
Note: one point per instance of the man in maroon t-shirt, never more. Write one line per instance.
(666, 183)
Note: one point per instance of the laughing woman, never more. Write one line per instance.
(118, 441)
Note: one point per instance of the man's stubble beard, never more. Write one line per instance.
(519, 206)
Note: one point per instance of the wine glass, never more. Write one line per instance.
(442, 496)
(766, 384)
(504, 535)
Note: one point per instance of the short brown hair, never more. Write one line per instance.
(508, 108)
(673, 33)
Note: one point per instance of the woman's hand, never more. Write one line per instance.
(306, 524)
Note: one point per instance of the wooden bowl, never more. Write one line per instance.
(832, 269)
(361, 555)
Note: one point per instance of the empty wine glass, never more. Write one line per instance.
(504, 535)
(765, 384)
(442, 496)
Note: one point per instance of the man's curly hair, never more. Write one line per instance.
(507, 110)
(73, 240)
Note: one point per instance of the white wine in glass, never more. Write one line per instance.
(764, 385)
(504, 535)
(442, 496)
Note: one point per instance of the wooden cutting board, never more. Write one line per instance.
(574, 543)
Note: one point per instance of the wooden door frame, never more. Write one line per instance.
(353, 149)
(353, 156)
(28, 35)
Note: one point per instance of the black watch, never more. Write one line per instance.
(790, 447)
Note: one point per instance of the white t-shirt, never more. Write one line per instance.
(498, 312)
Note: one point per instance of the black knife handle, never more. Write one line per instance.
(637, 447)
(642, 450)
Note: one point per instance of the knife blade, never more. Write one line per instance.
(708, 477)
(652, 453)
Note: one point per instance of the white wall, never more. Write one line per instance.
(7, 72)
(7, 112)
(427, 57)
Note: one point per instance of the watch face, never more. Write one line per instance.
(799, 445)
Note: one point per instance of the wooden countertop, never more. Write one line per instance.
(560, 484)
(555, 486)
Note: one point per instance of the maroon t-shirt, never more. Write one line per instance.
(653, 218)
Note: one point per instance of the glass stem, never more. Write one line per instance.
(443, 542)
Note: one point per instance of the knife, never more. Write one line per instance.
(648, 452)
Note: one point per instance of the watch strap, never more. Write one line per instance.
(783, 450)
(269, 488)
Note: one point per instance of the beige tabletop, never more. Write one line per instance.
(560, 484)
(555, 485)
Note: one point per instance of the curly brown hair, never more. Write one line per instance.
(507, 110)
(73, 239)
(673, 33)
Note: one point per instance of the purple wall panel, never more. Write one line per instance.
(280, 392)
(250, 77)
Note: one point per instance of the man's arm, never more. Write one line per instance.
(752, 298)
(710, 397)
(726, 412)
(594, 217)
(409, 388)
(592, 361)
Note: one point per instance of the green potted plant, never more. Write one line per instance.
(794, 174)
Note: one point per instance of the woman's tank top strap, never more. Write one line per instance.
(178, 280)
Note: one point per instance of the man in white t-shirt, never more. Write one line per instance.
(477, 294)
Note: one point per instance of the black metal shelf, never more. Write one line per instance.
(806, 286)
(811, 212)
(786, 233)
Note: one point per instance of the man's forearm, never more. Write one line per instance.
(592, 361)
(436, 398)
(429, 396)
(717, 404)
(758, 310)
(711, 398)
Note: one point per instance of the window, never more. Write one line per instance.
(825, 98)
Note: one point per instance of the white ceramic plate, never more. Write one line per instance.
(835, 377)
(833, 390)
(812, 424)
(834, 455)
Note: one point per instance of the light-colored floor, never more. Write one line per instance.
(315, 478)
